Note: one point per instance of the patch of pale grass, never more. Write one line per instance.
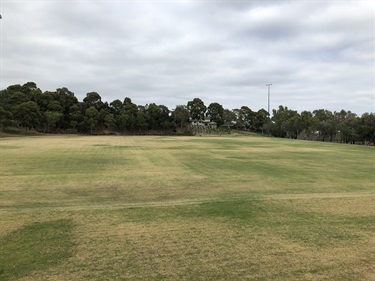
(348, 204)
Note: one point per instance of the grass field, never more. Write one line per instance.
(185, 208)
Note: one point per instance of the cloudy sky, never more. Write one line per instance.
(316, 54)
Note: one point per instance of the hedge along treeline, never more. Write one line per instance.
(60, 111)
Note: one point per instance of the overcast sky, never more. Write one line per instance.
(316, 54)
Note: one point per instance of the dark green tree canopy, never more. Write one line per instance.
(216, 111)
(27, 114)
(60, 111)
(92, 99)
(196, 108)
(181, 115)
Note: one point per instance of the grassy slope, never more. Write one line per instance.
(186, 208)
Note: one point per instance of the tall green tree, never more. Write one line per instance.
(196, 108)
(16, 98)
(216, 111)
(127, 119)
(43, 99)
(261, 119)
(306, 123)
(293, 126)
(285, 123)
(346, 124)
(27, 114)
(366, 129)
(166, 120)
(106, 119)
(153, 116)
(181, 116)
(66, 99)
(91, 118)
(14, 88)
(52, 117)
(76, 117)
(28, 88)
(229, 117)
(245, 118)
(4, 99)
(93, 99)
(240, 122)
(325, 125)
(6, 118)
(141, 120)
(116, 106)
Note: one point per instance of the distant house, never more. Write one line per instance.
(206, 122)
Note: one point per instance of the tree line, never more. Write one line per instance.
(323, 125)
(60, 111)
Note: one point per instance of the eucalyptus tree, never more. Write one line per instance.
(27, 114)
(229, 117)
(93, 99)
(4, 99)
(366, 128)
(106, 119)
(180, 116)
(128, 116)
(51, 118)
(346, 124)
(196, 108)
(323, 120)
(116, 106)
(153, 112)
(285, 123)
(141, 119)
(261, 119)
(240, 122)
(6, 118)
(245, 118)
(76, 116)
(28, 88)
(17, 98)
(66, 99)
(91, 118)
(306, 123)
(215, 111)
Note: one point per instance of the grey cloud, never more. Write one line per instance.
(315, 54)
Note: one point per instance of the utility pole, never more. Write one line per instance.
(269, 87)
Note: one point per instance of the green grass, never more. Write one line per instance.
(34, 247)
(234, 207)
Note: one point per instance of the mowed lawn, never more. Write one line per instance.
(185, 208)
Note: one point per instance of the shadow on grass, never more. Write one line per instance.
(35, 247)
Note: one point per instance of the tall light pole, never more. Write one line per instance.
(269, 88)
(1, 53)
